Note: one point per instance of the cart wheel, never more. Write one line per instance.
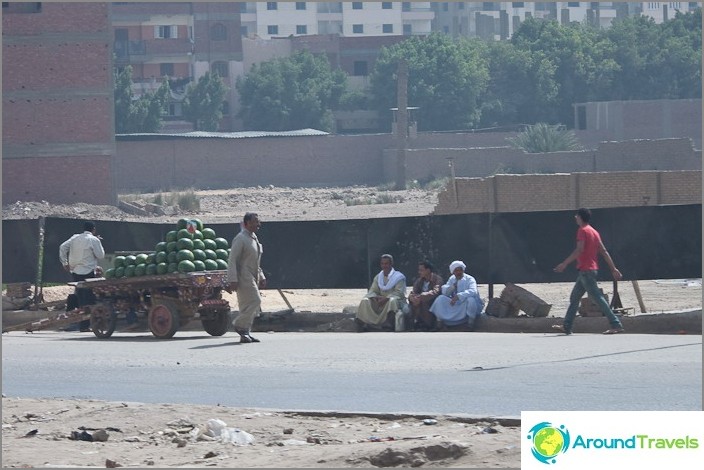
(102, 320)
(216, 323)
(163, 319)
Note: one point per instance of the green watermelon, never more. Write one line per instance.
(171, 236)
(185, 255)
(211, 265)
(172, 257)
(162, 268)
(119, 261)
(199, 224)
(210, 254)
(151, 269)
(222, 264)
(186, 266)
(140, 269)
(109, 273)
(173, 268)
(130, 260)
(222, 243)
(182, 223)
(141, 259)
(161, 257)
(197, 235)
(210, 244)
(208, 233)
(198, 244)
(161, 246)
(171, 246)
(151, 258)
(199, 255)
(183, 233)
(200, 265)
(184, 244)
(221, 254)
(119, 272)
(129, 270)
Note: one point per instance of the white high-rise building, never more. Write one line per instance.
(282, 19)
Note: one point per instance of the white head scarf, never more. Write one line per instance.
(457, 264)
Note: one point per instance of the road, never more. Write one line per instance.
(478, 374)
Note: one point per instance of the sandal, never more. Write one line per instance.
(613, 331)
(561, 329)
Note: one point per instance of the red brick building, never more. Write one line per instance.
(58, 137)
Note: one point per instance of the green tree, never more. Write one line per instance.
(138, 115)
(203, 104)
(446, 77)
(542, 138)
(291, 93)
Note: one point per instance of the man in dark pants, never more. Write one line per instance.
(79, 255)
(589, 245)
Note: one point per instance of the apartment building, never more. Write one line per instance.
(498, 20)
(58, 140)
(266, 20)
(180, 41)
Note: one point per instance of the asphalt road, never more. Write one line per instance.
(478, 374)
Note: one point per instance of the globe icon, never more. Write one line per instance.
(548, 442)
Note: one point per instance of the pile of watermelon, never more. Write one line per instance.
(190, 247)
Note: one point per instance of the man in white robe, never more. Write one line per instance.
(459, 301)
(385, 299)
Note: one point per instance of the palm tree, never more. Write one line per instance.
(543, 137)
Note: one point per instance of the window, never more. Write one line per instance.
(243, 7)
(518, 4)
(653, 5)
(445, 6)
(407, 29)
(581, 117)
(488, 6)
(218, 32)
(300, 5)
(356, 5)
(358, 28)
(406, 6)
(220, 68)
(165, 32)
(387, 28)
(272, 29)
(693, 5)
(21, 7)
(675, 5)
(573, 4)
(360, 68)
(244, 31)
(272, 6)
(386, 5)
(301, 29)
(166, 69)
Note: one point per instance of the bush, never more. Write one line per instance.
(543, 138)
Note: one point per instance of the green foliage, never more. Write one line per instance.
(138, 115)
(542, 138)
(290, 93)
(204, 102)
(446, 77)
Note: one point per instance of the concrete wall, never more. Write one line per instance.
(531, 193)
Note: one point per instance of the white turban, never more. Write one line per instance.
(457, 264)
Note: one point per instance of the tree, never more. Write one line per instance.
(291, 93)
(138, 115)
(542, 138)
(445, 80)
(204, 102)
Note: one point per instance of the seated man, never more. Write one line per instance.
(386, 298)
(425, 290)
(460, 301)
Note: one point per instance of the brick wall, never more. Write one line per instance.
(526, 193)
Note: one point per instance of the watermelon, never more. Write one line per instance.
(221, 254)
(186, 266)
(185, 255)
(208, 233)
(222, 243)
(140, 269)
(119, 272)
(129, 270)
(141, 259)
(171, 236)
(200, 265)
(130, 260)
(210, 244)
(184, 233)
(173, 268)
(198, 244)
(161, 257)
(197, 235)
(199, 255)
(119, 261)
(109, 273)
(162, 268)
(151, 269)
(222, 264)
(182, 223)
(172, 257)
(211, 265)
(198, 223)
(184, 244)
(151, 258)
(210, 254)
(171, 246)
(161, 246)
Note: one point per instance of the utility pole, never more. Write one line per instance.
(401, 124)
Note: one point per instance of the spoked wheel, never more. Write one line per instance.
(102, 320)
(163, 318)
(215, 322)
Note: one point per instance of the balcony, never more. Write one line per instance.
(125, 49)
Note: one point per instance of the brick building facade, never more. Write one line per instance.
(58, 112)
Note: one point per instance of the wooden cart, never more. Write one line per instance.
(167, 300)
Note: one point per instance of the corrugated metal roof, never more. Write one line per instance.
(221, 135)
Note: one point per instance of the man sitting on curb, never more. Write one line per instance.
(386, 298)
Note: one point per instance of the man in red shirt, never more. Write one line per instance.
(589, 245)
